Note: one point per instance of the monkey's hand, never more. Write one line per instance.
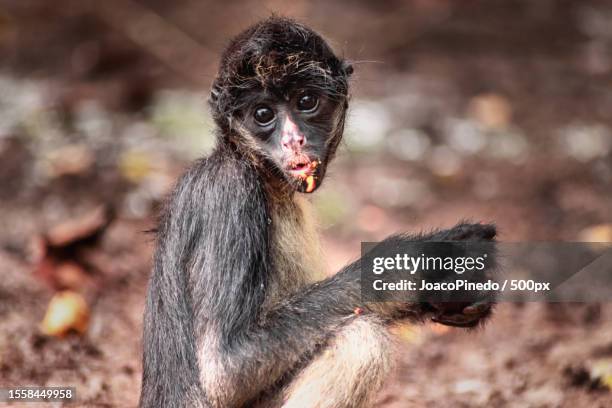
(474, 309)
(461, 314)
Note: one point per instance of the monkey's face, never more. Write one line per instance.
(281, 94)
(295, 132)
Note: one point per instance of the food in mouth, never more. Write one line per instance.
(303, 168)
(305, 172)
(310, 184)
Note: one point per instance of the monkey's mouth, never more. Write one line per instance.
(303, 169)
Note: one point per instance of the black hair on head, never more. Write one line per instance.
(276, 54)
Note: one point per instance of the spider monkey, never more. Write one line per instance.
(238, 313)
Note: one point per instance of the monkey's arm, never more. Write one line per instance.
(261, 354)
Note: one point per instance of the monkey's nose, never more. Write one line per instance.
(293, 142)
(291, 137)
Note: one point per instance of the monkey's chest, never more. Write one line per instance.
(296, 253)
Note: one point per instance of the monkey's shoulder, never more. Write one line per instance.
(221, 171)
(218, 195)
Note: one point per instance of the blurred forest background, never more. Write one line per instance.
(493, 110)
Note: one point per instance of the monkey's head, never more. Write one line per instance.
(281, 96)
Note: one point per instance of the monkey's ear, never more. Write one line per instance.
(214, 92)
(347, 67)
(217, 103)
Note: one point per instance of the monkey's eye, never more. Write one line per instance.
(264, 115)
(308, 103)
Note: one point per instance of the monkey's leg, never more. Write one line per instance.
(348, 372)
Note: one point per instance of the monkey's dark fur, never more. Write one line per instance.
(232, 316)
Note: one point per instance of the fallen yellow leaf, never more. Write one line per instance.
(67, 311)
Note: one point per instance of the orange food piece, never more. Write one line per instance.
(310, 184)
(67, 311)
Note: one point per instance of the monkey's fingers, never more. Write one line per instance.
(477, 308)
(468, 316)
